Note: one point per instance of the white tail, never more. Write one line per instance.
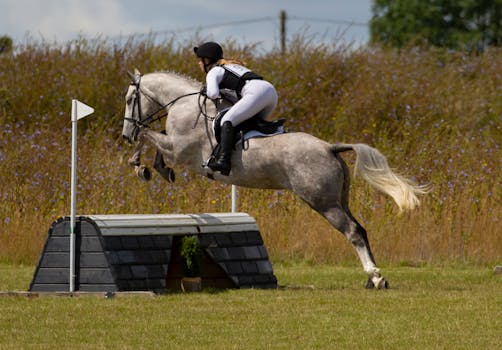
(373, 167)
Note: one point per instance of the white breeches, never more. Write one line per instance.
(258, 97)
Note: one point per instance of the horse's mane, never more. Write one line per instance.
(183, 76)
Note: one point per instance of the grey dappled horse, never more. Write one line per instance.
(312, 168)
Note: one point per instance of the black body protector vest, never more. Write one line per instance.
(235, 77)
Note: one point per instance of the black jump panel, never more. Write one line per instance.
(133, 252)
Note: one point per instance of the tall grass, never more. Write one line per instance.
(435, 114)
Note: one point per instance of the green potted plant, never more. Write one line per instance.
(191, 255)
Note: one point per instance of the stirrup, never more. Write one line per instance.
(215, 165)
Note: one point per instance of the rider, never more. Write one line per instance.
(255, 96)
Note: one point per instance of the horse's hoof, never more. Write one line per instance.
(167, 173)
(377, 282)
(380, 283)
(171, 177)
(143, 173)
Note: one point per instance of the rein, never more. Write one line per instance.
(150, 118)
(202, 109)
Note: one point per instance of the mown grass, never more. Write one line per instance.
(435, 114)
(319, 307)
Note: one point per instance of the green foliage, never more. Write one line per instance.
(192, 255)
(466, 24)
(5, 44)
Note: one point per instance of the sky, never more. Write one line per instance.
(250, 21)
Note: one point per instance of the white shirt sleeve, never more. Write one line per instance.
(213, 79)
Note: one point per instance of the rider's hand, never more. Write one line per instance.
(203, 90)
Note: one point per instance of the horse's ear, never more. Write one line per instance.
(131, 76)
(135, 78)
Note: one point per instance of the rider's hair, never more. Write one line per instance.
(230, 61)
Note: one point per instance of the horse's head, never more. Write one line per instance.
(132, 115)
(138, 108)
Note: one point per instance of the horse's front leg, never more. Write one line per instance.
(161, 140)
(164, 147)
(135, 161)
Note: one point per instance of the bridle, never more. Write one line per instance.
(153, 117)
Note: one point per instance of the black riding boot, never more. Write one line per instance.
(222, 162)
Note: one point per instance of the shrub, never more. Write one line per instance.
(191, 254)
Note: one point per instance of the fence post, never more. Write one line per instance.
(282, 18)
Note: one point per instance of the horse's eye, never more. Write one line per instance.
(130, 98)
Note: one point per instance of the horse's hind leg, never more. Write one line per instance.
(342, 220)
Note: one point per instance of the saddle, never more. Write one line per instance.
(253, 127)
(260, 126)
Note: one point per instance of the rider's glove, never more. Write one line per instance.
(203, 90)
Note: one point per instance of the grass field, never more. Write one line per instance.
(318, 307)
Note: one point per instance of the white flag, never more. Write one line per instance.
(80, 110)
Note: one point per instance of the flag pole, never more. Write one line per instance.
(234, 198)
(78, 111)
(73, 205)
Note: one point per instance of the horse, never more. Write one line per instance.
(311, 168)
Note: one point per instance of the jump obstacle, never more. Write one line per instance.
(116, 253)
(113, 253)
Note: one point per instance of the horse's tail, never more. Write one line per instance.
(373, 167)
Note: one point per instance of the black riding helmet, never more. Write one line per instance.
(209, 50)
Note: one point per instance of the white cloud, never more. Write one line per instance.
(63, 20)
